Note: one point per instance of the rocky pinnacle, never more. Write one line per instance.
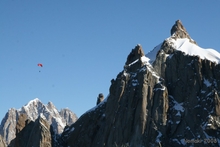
(179, 31)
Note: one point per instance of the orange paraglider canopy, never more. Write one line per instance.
(39, 64)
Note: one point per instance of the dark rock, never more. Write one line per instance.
(179, 31)
(192, 87)
(100, 98)
(135, 54)
(29, 133)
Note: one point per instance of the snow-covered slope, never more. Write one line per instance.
(189, 48)
(152, 54)
(192, 49)
(34, 109)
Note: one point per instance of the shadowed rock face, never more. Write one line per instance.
(135, 108)
(29, 133)
(193, 85)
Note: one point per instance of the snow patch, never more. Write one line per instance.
(177, 122)
(184, 45)
(35, 108)
(144, 59)
(60, 122)
(202, 91)
(209, 124)
(158, 137)
(188, 128)
(133, 62)
(163, 88)
(34, 101)
(153, 53)
(183, 142)
(176, 140)
(207, 83)
(135, 82)
(178, 113)
(178, 106)
(42, 116)
(72, 129)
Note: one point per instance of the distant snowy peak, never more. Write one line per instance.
(34, 101)
(35, 109)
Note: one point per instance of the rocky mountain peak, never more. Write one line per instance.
(135, 54)
(100, 98)
(34, 109)
(34, 102)
(179, 31)
(172, 101)
(50, 105)
(69, 116)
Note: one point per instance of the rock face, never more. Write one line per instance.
(2, 142)
(172, 101)
(33, 110)
(134, 114)
(7, 127)
(179, 31)
(29, 133)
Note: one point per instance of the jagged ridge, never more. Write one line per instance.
(33, 109)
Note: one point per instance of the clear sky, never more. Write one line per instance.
(84, 44)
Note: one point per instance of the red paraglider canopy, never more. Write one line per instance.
(39, 64)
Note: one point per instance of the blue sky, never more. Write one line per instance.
(84, 44)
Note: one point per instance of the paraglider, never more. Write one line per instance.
(40, 65)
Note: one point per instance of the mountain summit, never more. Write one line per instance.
(179, 31)
(33, 109)
(170, 97)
